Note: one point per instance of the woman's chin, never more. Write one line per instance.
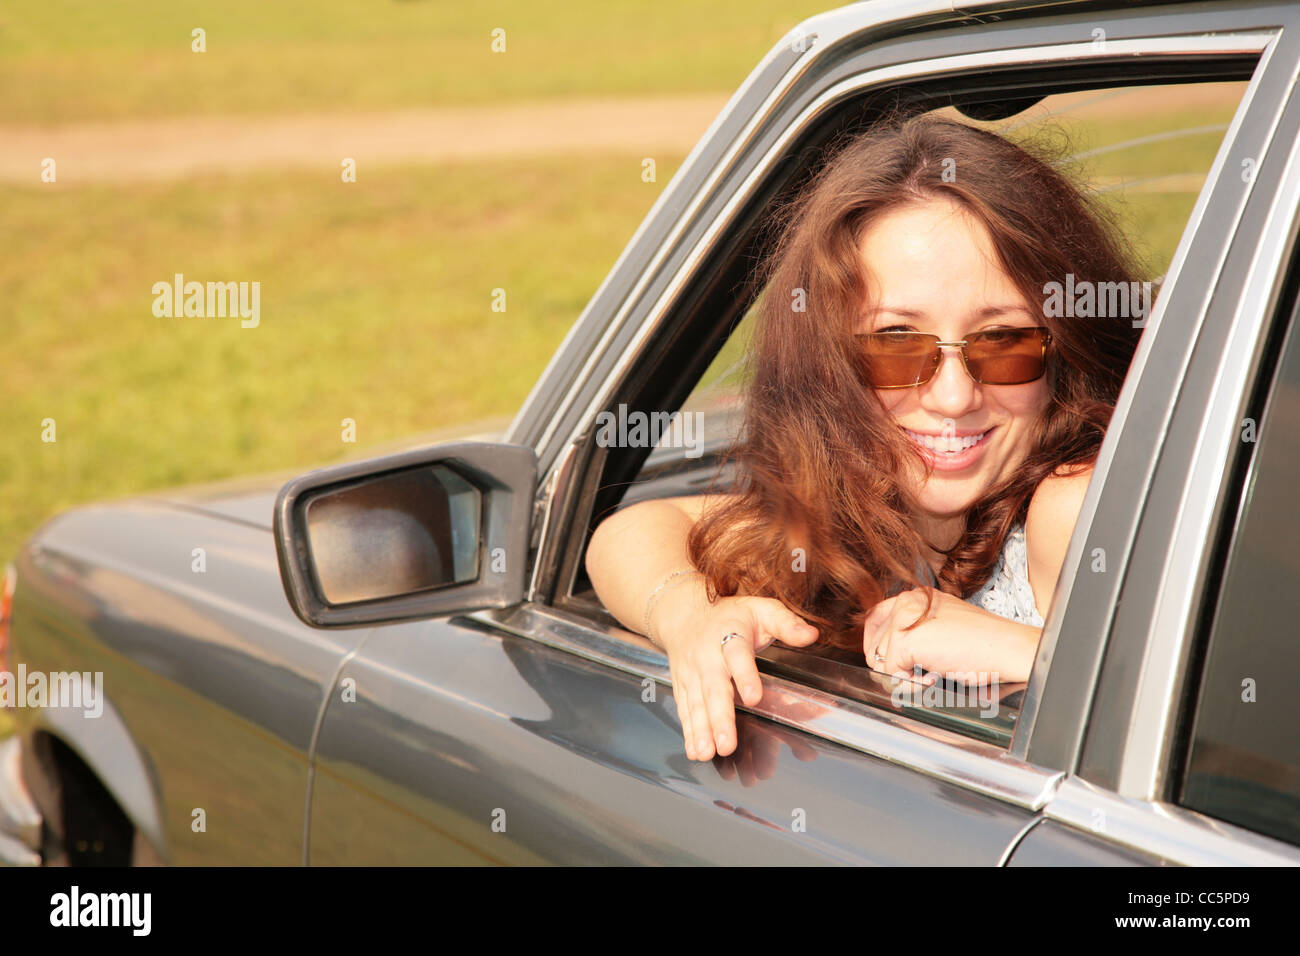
(947, 503)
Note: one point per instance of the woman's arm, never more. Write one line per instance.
(633, 550)
(959, 637)
(1053, 513)
(631, 554)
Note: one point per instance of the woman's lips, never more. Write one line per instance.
(941, 458)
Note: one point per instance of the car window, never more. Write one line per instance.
(1146, 152)
(1243, 755)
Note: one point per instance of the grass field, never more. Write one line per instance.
(375, 305)
(63, 60)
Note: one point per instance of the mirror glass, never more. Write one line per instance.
(393, 534)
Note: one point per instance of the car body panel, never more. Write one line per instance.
(213, 677)
(453, 721)
(1049, 843)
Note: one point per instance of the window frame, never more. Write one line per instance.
(1163, 587)
(578, 467)
(1235, 528)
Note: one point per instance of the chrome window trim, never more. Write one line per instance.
(1163, 830)
(1250, 42)
(556, 490)
(1148, 744)
(836, 25)
(1074, 556)
(938, 753)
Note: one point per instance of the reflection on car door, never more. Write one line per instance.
(459, 742)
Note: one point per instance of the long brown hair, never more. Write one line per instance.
(820, 458)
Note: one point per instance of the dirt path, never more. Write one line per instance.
(176, 148)
(160, 149)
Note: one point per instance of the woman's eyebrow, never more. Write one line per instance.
(988, 312)
(894, 310)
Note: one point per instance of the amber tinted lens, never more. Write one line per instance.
(1006, 356)
(898, 359)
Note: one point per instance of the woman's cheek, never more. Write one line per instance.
(1027, 401)
(890, 399)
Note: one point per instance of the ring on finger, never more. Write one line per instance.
(733, 634)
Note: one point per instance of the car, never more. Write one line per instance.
(401, 660)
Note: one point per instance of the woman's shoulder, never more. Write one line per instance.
(1063, 489)
(1053, 512)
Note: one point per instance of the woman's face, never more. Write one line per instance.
(934, 269)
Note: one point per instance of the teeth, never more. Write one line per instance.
(946, 446)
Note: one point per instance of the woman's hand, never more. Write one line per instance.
(956, 638)
(703, 669)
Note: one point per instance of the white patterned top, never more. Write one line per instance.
(1007, 592)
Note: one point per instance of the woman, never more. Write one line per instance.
(880, 455)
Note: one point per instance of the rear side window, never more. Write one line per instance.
(1243, 759)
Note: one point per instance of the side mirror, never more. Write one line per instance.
(419, 534)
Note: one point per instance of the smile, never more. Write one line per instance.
(947, 446)
(951, 452)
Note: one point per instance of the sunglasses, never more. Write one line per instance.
(991, 357)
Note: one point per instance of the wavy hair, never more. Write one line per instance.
(821, 461)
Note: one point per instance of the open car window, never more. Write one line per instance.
(1144, 150)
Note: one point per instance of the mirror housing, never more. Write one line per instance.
(419, 534)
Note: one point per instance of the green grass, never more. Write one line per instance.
(375, 306)
(63, 60)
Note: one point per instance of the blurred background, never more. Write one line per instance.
(220, 155)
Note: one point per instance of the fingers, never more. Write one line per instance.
(701, 740)
(884, 635)
(703, 670)
(682, 700)
(875, 634)
(778, 622)
(878, 614)
(705, 709)
(718, 665)
(705, 704)
(740, 664)
(722, 719)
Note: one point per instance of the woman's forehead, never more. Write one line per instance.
(928, 259)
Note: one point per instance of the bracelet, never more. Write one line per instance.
(650, 601)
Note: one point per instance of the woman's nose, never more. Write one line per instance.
(951, 392)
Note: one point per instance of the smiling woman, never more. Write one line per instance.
(919, 427)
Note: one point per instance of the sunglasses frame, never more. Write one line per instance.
(1046, 337)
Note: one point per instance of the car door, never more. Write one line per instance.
(545, 732)
(1189, 752)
